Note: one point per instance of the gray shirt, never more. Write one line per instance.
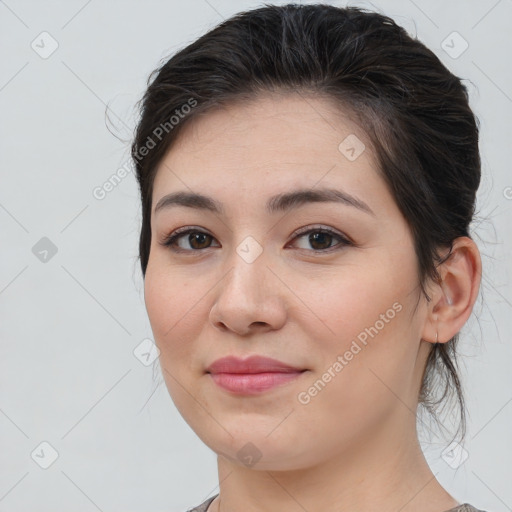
(465, 507)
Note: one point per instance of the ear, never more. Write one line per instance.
(454, 296)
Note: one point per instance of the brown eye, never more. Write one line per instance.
(321, 240)
(199, 240)
(195, 241)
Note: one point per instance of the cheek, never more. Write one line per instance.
(172, 306)
(354, 301)
(173, 311)
(364, 328)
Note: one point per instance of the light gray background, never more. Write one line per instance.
(69, 326)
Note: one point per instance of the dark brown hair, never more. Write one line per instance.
(413, 109)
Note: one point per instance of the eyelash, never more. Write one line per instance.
(170, 240)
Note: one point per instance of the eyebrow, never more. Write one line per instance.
(278, 203)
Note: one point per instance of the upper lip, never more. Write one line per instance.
(253, 364)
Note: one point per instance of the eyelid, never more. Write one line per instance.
(318, 227)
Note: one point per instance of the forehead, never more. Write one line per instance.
(278, 122)
(263, 146)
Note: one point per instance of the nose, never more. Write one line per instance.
(249, 299)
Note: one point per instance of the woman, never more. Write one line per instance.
(308, 176)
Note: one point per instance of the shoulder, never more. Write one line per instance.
(203, 506)
(465, 507)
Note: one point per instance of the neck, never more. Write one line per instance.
(386, 471)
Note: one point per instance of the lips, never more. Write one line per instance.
(253, 375)
(251, 365)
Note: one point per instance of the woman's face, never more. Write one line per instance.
(252, 284)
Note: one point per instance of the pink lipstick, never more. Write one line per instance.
(252, 375)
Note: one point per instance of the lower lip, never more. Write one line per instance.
(252, 383)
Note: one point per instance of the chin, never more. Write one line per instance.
(260, 452)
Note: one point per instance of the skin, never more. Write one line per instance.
(354, 446)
